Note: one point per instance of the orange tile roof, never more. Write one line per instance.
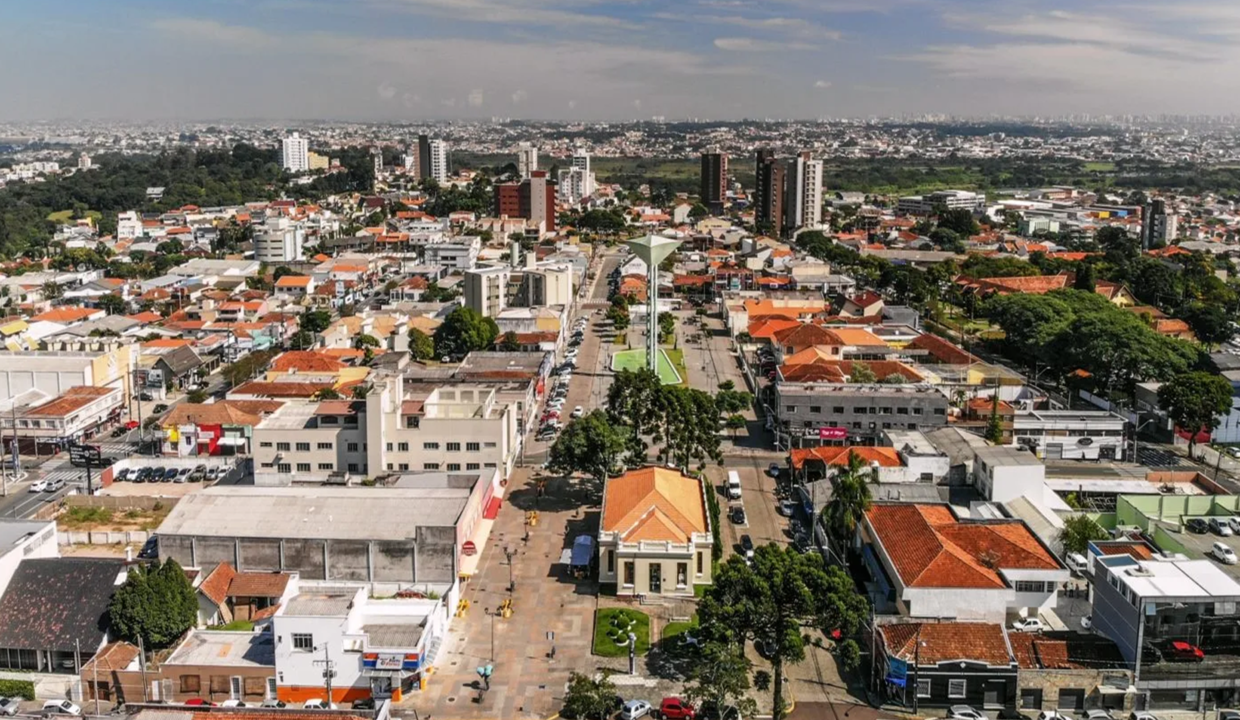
(654, 503)
(306, 361)
(71, 400)
(293, 281)
(146, 317)
(857, 336)
(215, 585)
(812, 372)
(807, 335)
(767, 326)
(66, 314)
(947, 642)
(258, 584)
(942, 350)
(167, 343)
(837, 456)
(930, 548)
(279, 389)
(225, 412)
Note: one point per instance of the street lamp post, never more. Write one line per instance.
(509, 553)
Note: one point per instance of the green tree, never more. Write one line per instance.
(197, 397)
(421, 346)
(589, 697)
(775, 601)
(315, 321)
(719, 679)
(156, 604)
(463, 331)
(850, 499)
(683, 420)
(1195, 401)
(698, 211)
(861, 373)
(1118, 244)
(849, 655)
(994, 427)
(282, 271)
(727, 385)
(510, 342)
(52, 290)
(364, 340)
(111, 304)
(1078, 531)
(667, 326)
(894, 378)
(619, 316)
(328, 394)
(959, 221)
(733, 401)
(591, 444)
(1211, 323)
(734, 423)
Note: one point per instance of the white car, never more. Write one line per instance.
(1028, 625)
(634, 709)
(233, 704)
(965, 712)
(1097, 714)
(38, 486)
(60, 707)
(1223, 554)
(318, 704)
(1141, 715)
(1087, 622)
(578, 412)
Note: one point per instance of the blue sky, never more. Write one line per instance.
(408, 60)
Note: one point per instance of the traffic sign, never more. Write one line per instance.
(84, 455)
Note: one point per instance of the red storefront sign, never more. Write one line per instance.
(832, 433)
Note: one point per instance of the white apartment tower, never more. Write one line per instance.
(803, 193)
(295, 153)
(486, 289)
(527, 159)
(279, 240)
(439, 161)
(577, 182)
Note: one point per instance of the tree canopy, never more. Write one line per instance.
(591, 444)
(463, 331)
(156, 604)
(1195, 402)
(421, 346)
(1078, 531)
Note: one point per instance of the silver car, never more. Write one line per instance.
(10, 706)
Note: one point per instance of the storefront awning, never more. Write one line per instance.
(232, 441)
(393, 674)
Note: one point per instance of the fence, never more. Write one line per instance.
(121, 502)
(103, 537)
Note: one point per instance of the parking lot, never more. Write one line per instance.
(1199, 546)
(170, 476)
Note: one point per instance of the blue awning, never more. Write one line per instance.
(897, 681)
(583, 550)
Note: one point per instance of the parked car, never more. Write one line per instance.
(150, 549)
(578, 412)
(1098, 714)
(786, 508)
(182, 475)
(1220, 527)
(1234, 522)
(10, 705)
(215, 473)
(364, 704)
(1028, 625)
(1223, 554)
(38, 486)
(673, 708)
(1150, 654)
(965, 712)
(1184, 652)
(1229, 715)
(273, 703)
(1052, 715)
(747, 545)
(198, 702)
(634, 709)
(146, 396)
(774, 470)
(1077, 563)
(60, 707)
(170, 474)
(1141, 715)
(198, 474)
(1197, 526)
(736, 514)
(55, 484)
(318, 704)
(233, 704)
(159, 408)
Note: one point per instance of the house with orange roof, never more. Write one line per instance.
(940, 565)
(295, 286)
(69, 315)
(1117, 294)
(304, 365)
(790, 341)
(654, 535)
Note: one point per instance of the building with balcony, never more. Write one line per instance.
(813, 413)
(654, 537)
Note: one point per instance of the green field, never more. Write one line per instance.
(64, 216)
(634, 360)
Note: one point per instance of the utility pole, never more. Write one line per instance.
(328, 672)
(95, 666)
(142, 666)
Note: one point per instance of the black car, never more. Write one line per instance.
(746, 545)
(364, 704)
(150, 550)
(736, 514)
(160, 408)
(146, 396)
(1197, 526)
(169, 474)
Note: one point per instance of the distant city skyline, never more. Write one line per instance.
(590, 60)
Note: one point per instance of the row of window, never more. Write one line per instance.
(1033, 586)
(287, 468)
(955, 688)
(868, 410)
(305, 446)
(451, 467)
(451, 447)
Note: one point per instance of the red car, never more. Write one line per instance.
(130, 425)
(675, 709)
(198, 702)
(1179, 650)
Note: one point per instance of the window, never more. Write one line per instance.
(885, 411)
(284, 468)
(923, 687)
(352, 467)
(325, 446)
(790, 408)
(629, 573)
(611, 561)
(402, 447)
(329, 420)
(303, 467)
(412, 422)
(838, 409)
(1029, 586)
(917, 411)
(391, 467)
(471, 466)
(352, 447)
(283, 446)
(489, 465)
(303, 447)
(430, 466)
(264, 444)
(454, 447)
(454, 467)
(940, 411)
(430, 446)
(191, 684)
(389, 447)
(303, 641)
(489, 445)
(472, 447)
(901, 411)
(956, 688)
(859, 411)
(815, 409)
(327, 466)
(404, 466)
(700, 560)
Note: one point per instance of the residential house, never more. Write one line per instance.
(940, 664)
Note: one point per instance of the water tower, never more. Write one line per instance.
(654, 249)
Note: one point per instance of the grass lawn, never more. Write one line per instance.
(1099, 166)
(64, 216)
(677, 358)
(236, 625)
(606, 646)
(635, 359)
(671, 635)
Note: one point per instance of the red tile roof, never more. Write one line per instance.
(215, 585)
(946, 642)
(306, 361)
(67, 314)
(256, 584)
(930, 548)
(941, 350)
(836, 456)
(806, 335)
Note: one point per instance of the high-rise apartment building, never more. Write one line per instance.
(527, 159)
(768, 200)
(439, 161)
(802, 193)
(581, 163)
(279, 240)
(295, 153)
(714, 181)
(533, 199)
(1158, 227)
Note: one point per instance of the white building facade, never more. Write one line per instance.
(295, 153)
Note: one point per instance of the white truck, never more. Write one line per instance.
(734, 485)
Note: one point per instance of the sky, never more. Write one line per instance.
(414, 60)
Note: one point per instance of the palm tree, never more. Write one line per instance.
(850, 499)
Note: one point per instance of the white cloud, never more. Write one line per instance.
(520, 12)
(386, 91)
(519, 97)
(744, 44)
(475, 98)
(211, 31)
(797, 28)
(822, 84)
